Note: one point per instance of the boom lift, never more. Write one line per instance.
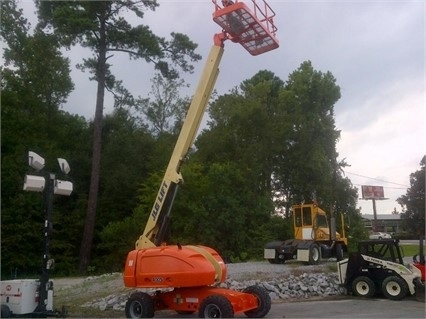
(187, 276)
(313, 238)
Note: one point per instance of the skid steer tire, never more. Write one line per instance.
(420, 290)
(216, 306)
(264, 301)
(314, 254)
(363, 286)
(139, 305)
(394, 288)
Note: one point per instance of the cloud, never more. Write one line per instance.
(375, 50)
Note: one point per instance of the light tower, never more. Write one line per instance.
(46, 183)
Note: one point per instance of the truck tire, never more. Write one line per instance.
(139, 305)
(264, 302)
(394, 288)
(277, 259)
(363, 286)
(339, 252)
(314, 254)
(5, 311)
(216, 306)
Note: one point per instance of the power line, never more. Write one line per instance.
(376, 179)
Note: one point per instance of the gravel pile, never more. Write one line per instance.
(303, 286)
(281, 281)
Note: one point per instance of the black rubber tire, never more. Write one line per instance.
(339, 252)
(5, 311)
(363, 286)
(216, 306)
(264, 300)
(276, 260)
(314, 254)
(139, 305)
(420, 290)
(394, 288)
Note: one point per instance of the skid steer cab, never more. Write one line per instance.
(314, 238)
(378, 268)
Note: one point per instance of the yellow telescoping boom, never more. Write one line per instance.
(157, 223)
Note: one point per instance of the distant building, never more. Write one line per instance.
(389, 223)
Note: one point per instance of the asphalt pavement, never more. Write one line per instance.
(342, 307)
(350, 308)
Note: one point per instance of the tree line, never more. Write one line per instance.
(268, 144)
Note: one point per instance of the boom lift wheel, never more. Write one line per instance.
(139, 305)
(263, 299)
(394, 288)
(363, 286)
(216, 306)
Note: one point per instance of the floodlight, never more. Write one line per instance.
(34, 183)
(62, 188)
(35, 161)
(63, 164)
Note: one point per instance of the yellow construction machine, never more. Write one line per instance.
(314, 238)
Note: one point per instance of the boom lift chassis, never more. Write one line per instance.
(187, 277)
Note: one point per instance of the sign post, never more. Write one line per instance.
(374, 193)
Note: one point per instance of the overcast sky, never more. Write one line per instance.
(374, 49)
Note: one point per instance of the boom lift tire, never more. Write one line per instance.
(394, 288)
(363, 286)
(139, 305)
(264, 302)
(216, 306)
(314, 254)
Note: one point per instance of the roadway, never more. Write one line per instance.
(339, 307)
(350, 308)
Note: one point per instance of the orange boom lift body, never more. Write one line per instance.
(187, 277)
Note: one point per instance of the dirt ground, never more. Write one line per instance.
(73, 292)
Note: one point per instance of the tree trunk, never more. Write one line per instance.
(89, 226)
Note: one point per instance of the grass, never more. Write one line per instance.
(411, 250)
